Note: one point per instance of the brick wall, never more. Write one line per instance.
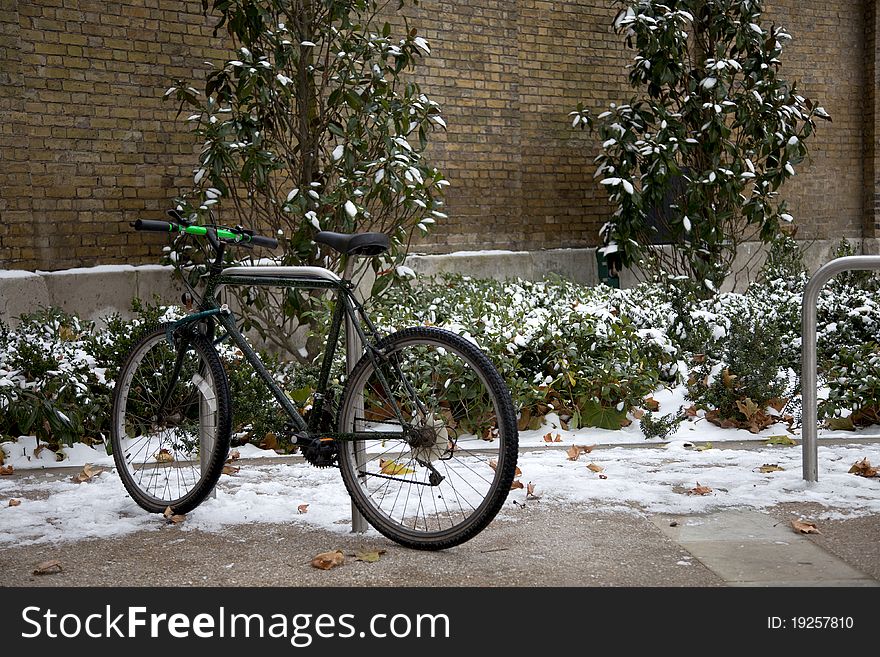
(87, 144)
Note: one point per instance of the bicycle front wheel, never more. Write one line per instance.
(428, 440)
(171, 422)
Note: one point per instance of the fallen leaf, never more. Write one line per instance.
(530, 491)
(651, 404)
(390, 467)
(493, 464)
(234, 455)
(328, 560)
(48, 567)
(770, 467)
(691, 411)
(727, 379)
(516, 484)
(804, 527)
(270, 441)
(370, 557)
(557, 438)
(163, 456)
(594, 467)
(517, 472)
(302, 508)
(548, 437)
(231, 469)
(168, 512)
(777, 403)
(87, 473)
(700, 490)
(6, 470)
(780, 440)
(14, 502)
(840, 423)
(638, 413)
(177, 518)
(703, 448)
(576, 450)
(863, 469)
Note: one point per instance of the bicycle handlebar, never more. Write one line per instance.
(236, 236)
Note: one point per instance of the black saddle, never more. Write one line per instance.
(365, 244)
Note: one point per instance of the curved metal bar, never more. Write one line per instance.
(808, 353)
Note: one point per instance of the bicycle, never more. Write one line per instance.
(425, 435)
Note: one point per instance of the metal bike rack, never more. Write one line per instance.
(808, 353)
(353, 351)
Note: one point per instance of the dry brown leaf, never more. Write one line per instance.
(168, 512)
(234, 455)
(369, 556)
(700, 490)
(14, 502)
(2, 456)
(530, 491)
(638, 413)
(87, 473)
(777, 403)
(517, 472)
(177, 518)
(594, 467)
(231, 469)
(651, 404)
(574, 453)
(48, 567)
(163, 456)
(516, 484)
(863, 468)
(770, 467)
(270, 441)
(493, 464)
(548, 437)
(691, 411)
(805, 527)
(302, 508)
(557, 438)
(328, 560)
(6, 470)
(727, 378)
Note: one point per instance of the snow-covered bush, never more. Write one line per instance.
(51, 384)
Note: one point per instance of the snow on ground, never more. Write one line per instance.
(638, 480)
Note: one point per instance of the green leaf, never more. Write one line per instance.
(780, 440)
(593, 414)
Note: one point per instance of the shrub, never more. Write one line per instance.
(738, 389)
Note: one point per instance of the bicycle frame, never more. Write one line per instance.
(303, 278)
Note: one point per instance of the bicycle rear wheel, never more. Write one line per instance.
(436, 445)
(171, 422)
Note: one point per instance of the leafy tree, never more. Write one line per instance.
(697, 157)
(313, 125)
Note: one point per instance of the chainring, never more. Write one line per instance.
(321, 453)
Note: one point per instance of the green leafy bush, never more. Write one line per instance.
(853, 378)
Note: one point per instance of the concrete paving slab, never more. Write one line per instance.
(749, 548)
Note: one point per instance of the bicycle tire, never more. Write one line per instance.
(428, 360)
(160, 461)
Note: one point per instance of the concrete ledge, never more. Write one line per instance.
(576, 264)
(93, 293)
